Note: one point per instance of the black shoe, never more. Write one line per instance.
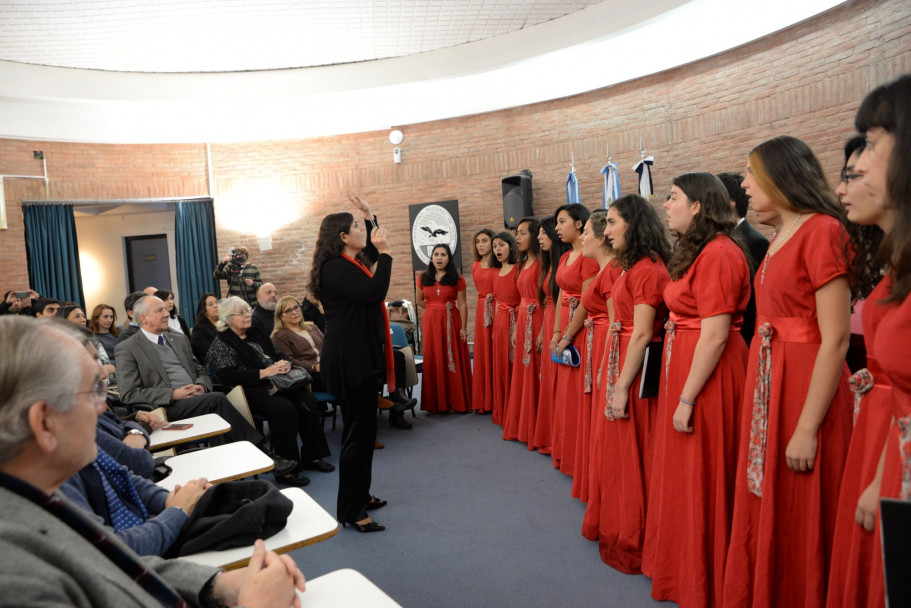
(370, 526)
(319, 465)
(293, 479)
(283, 466)
(402, 401)
(375, 503)
(398, 421)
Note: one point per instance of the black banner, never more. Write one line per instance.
(432, 224)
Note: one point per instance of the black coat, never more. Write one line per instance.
(235, 362)
(757, 246)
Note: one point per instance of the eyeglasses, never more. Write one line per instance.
(847, 178)
(291, 309)
(243, 313)
(100, 389)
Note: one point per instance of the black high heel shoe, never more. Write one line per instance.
(370, 526)
(375, 503)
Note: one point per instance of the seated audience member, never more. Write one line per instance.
(132, 326)
(11, 305)
(157, 368)
(204, 332)
(398, 314)
(175, 322)
(299, 340)
(50, 394)
(150, 290)
(46, 308)
(103, 324)
(264, 311)
(312, 310)
(74, 314)
(242, 355)
(145, 516)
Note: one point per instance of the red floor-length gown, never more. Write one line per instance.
(544, 420)
(853, 575)
(446, 379)
(594, 333)
(526, 365)
(691, 496)
(507, 297)
(568, 395)
(482, 367)
(781, 542)
(626, 455)
(890, 344)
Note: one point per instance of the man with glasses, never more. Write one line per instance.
(157, 367)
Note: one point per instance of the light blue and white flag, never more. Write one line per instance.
(644, 169)
(572, 189)
(611, 184)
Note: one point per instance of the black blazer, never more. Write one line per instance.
(757, 246)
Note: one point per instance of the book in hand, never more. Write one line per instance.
(651, 370)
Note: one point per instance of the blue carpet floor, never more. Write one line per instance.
(472, 521)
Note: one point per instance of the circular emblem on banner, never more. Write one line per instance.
(433, 225)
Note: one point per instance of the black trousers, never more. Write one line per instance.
(217, 403)
(356, 460)
(291, 414)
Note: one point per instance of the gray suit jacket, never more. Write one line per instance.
(44, 563)
(141, 376)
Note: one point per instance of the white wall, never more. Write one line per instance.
(102, 255)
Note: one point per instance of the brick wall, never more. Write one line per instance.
(805, 81)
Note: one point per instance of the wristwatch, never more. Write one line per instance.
(138, 432)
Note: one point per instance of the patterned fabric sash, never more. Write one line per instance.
(512, 332)
(449, 357)
(529, 330)
(860, 382)
(671, 332)
(589, 347)
(488, 310)
(904, 446)
(573, 304)
(613, 367)
(760, 422)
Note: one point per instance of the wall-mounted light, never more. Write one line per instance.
(396, 137)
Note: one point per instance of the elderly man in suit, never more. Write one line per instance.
(158, 368)
(51, 392)
(755, 243)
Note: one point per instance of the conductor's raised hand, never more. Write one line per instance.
(360, 203)
(380, 239)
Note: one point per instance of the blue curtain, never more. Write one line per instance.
(194, 231)
(53, 253)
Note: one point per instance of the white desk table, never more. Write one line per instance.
(344, 588)
(308, 523)
(221, 463)
(207, 425)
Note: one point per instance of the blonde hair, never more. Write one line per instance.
(280, 308)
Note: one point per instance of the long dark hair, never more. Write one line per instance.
(510, 240)
(714, 217)
(534, 247)
(329, 245)
(201, 318)
(644, 233)
(867, 270)
(164, 294)
(550, 260)
(578, 213)
(474, 242)
(429, 276)
(889, 107)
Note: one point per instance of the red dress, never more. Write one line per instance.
(691, 495)
(853, 575)
(544, 421)
(781, 542)
(569, 379)
(594, 333)
(626, 449)
(446, 379)
(504, 324)
(482, 368)
(526, 365)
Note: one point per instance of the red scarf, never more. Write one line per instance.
(387, 351)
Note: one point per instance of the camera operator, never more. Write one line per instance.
(243, 278)
(18, 303)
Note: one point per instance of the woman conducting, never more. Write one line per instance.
(357, 348)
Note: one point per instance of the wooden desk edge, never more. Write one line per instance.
(241, 563)
(158, 447)
(244, 475)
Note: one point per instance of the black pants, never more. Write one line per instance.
(217, 403)
(356, 460)
(291, 414)
(399, 359)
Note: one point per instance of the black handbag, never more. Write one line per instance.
(295, 378)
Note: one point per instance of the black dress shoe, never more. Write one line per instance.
(370, 526)
(375, 503)
(319, 465)
(293, 479)
(398, 421)
(283, 466)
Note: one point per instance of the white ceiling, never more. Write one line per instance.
(169, 71)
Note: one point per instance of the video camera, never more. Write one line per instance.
(238, 257)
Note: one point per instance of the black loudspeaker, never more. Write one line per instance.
(517, 199)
